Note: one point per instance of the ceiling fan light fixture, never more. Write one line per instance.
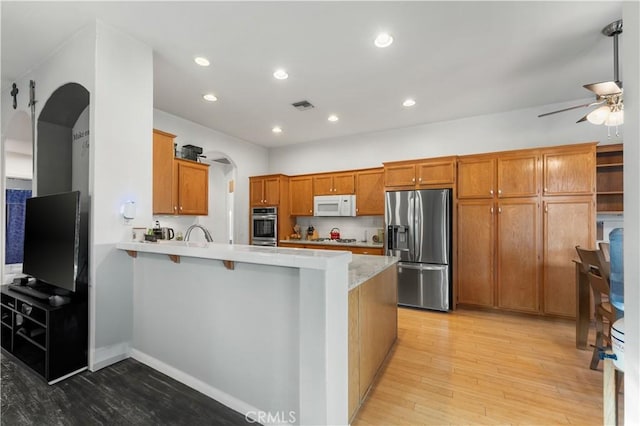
(599, 115)
(615, 118)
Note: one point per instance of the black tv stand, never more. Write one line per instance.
(50, 340)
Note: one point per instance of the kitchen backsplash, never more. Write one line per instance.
(350, 227)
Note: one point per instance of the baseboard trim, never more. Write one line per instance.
(194, 383)
(108, 355)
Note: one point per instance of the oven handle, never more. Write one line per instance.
(270, 216)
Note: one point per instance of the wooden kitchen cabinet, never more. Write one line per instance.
(265, 190)
(569, 170)
(334, 184)
(301, 190)
(518, 254)
(415, 174)
(476, 177)
(475, 264)
(163, 153)
(518, 175)
(370, 192)
(191, 187)
(179, 186)
(568, 222)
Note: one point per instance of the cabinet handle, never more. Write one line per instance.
(491, 210)
(546, 189)
(499, 191)
(546, 208)
(180, 208)
(419, 179)
(413, 179)
(310, 211)
(175, 208)
(499, 209)
(491, 192)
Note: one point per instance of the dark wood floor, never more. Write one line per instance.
(126, 393)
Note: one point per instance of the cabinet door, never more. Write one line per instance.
(518, 176)
(569, 172)
(272, 191)
(476, 177)
(163, 203)
(193, 188)
(344, 183)
(256, 191)
(568, 222)
(370, 193)
(436, 172)
(476, 252)
(400, 175)
(301, 192)
(519, 253)
(323, 185)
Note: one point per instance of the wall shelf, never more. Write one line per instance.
(609, 179)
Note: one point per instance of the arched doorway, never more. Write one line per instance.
(17, 170)
(61, 156)
(222, 179)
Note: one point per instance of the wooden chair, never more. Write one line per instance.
(597, 268)
(604, 248)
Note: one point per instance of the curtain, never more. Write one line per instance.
(14, 235)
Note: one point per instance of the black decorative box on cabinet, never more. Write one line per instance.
(50, 340)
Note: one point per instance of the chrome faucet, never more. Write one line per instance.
(207, 234)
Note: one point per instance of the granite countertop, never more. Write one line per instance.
(365, 266)
(368, 244)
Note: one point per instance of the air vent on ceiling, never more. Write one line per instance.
(222, 160)
(302, 105)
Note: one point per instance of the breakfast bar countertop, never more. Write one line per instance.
(364, 266)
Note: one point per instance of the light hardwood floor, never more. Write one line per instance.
(471, 367)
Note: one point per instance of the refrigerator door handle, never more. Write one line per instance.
(422, 266)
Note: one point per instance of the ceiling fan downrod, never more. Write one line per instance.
(613, 30)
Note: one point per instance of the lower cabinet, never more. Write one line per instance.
(373, 329)
(376, 251)
(568, 222)
(476, 228)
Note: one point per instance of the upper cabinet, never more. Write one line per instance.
(265, 190)
(609, 178)
(301, 190)
(569, 170)
(476, 177)
(370, 192)
(518, 175)
(179, 186)
(334, 184)
(163, 152)
(191, 187)
(436, 172)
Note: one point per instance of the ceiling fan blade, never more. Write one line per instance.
(605, 88)
(584, 118)
(565, 109)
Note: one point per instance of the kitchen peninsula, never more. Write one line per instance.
(260, 329)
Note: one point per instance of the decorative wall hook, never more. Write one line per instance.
(14, 93)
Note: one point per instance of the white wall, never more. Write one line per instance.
(488, 133)
(19, 165)
(631, 66)
(121, 122)
(250, 160)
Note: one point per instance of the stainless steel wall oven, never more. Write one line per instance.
(264, 226)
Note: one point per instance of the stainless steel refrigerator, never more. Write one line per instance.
(419, 233)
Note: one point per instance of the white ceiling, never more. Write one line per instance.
(457, 59)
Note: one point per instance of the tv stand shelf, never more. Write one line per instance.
(50, 340)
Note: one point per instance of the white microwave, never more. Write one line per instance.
(334, 205)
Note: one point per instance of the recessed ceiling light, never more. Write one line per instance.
(210, 97)
(281, 74)
(203, 62)
(383, 40)
(277, 129)
(408, 102)
(333, 118)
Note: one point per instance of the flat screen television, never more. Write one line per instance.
(51, 239)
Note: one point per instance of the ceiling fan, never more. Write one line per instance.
(608, 93)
